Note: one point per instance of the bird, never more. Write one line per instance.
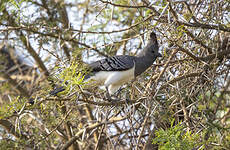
(113, 72)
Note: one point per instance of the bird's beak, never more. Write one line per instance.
(159, 55)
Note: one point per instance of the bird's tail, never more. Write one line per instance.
(59, 88)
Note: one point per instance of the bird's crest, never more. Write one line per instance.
(153, 36)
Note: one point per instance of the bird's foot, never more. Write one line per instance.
(128, 100)
(108, 97)
(118, 93)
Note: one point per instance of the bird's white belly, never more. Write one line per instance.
(113, 79)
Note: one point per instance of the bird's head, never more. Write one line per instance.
(151, 49)
(155, 52)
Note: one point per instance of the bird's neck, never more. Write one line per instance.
(142, 63)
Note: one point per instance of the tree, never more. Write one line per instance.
(182, 99)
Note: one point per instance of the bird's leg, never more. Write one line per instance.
(127, 100)
(118, 92)
(108, 96)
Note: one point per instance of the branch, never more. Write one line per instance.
(217, 55)
(14, 84)
(27, 44)
(60, 123)
(118, 102)
(124, 6)
(188, 53)
(195, 74)
(186, 30)
(148, 85)
(11, 129)
(206, 26)
(65, 24)
(33, 53)
(87, 129)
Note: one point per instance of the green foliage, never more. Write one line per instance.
(74, 76)
(4, 86)
(14, 5)
(8, 144)
(175, 138)
(3, 4)
(13, 106)
(180, 30)
(189, 90)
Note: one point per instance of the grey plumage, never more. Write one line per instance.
(124, 62)
(115, 63)
(112, 72)
(147, 56)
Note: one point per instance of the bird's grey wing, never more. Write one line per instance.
(115, 63)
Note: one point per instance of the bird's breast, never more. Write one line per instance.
(113, 77)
